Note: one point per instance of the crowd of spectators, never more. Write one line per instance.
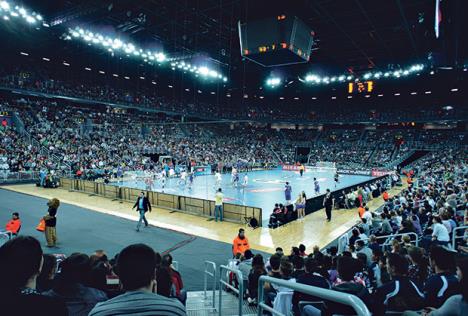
(137, 280)
(58, 82)
(398, 259)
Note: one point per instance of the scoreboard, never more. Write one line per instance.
(361, 87)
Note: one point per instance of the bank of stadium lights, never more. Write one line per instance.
(14, 12)
(273, 82)
(316, 79)
(116, 44)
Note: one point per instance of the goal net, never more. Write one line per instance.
(322, 166)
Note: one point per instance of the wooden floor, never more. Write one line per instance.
(311, 231)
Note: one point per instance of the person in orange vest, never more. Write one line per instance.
(240, 243)
(409, 180)
(361, 209)
(14, 225)
(385, 196)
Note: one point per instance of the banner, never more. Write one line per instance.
(355, 172)
(291, 167)
(380, 173)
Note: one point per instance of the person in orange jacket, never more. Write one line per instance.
(13, 226)
(240, 243)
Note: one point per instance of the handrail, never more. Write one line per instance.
(454, 235)
(205, 280)
(240, 291)
(347, 299)
(394, 235)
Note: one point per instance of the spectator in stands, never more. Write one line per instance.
(386, 228)
(258, 269)
(275, 262)
(367, 214)
(298, 263)
(362, 248)
(347, 268)
(354, 236)
(246, 265)
(20, 264)
(440, 234)
(302, 250)
(136, 266)
(310, 277)
(45, 280)
(400, 294)
(14, 225)
(70, 286)
(51, 222)
(419, 268)
(176, 277)
(272, 290)
(240, 243)
(444, 282)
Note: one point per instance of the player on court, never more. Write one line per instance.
(183, 178)
(316, 186)
(163, 179)
(287, 193)
(191, 178)
(301, 169)
(149, 183)
(236, 180)
(233, 175)
(218, 179)
(337, 179)
(245, 182)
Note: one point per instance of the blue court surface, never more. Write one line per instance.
(264, 188)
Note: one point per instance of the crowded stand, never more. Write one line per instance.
(55, 82)
(202, 158)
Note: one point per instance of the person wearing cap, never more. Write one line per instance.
(240, 243)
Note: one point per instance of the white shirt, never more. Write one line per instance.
(440, 232)
(246, 179)
(368, 216)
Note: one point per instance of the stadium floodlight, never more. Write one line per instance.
(4, 5)
(30, 19)
(367, 75)
(273, 82)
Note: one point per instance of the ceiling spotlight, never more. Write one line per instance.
(427, 92)
(454, 89)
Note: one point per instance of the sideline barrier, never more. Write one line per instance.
(195, 206)
(239, 292)
(347, 299)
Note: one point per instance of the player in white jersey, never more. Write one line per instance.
(233, 175)
(245, 182)
(218, 179)
(183, 177)
(316, 186)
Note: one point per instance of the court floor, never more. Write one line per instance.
(264, 188)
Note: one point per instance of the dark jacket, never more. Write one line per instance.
(32, 304)
(439, 288)
(146, 204)
(79, 299)
(400, 294)
(312, 279)
(351, 288)
(50, 219)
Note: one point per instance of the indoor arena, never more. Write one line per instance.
(202, 158)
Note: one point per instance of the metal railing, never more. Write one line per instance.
(389, 238)
(212, 274)
(6, 176)
(239, 292)
(346, 299)
(455, 237)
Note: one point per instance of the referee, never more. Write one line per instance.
(328, 202)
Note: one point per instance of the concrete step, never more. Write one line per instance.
(197, 305)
